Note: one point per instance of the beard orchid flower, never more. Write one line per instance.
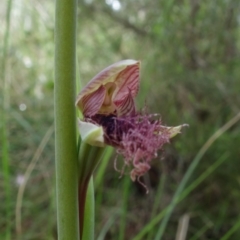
(110, 117)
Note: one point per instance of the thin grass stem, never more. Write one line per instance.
(26, 176)
(184, 194)
(190, 170)
(231, 231)
(123, 220)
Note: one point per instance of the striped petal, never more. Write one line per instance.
(124, 75)
(91, 103)
(127, 80)
(126, 106)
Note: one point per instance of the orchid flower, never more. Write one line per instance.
(110, 117)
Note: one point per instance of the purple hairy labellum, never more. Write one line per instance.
(110, 117)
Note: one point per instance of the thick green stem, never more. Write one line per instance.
(65, 120)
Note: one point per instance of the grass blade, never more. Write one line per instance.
(190, 170)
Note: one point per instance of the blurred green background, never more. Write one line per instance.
(190, 73)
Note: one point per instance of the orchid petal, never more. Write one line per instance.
(92, 102)
(91, 133)
(125, 76)
(126, 107)
(127, 80)
(173, 131)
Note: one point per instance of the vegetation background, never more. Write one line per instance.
(190, 73)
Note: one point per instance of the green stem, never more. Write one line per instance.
(89, 212)
(89, 157)
(65, 119)
(82, 196)
(123, 219)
